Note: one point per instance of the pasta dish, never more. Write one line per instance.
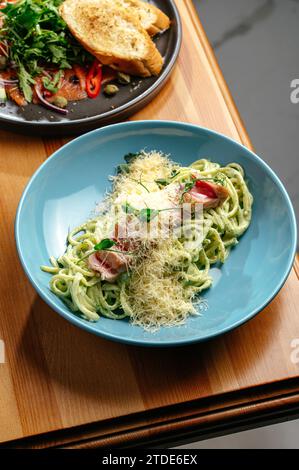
(146, 253)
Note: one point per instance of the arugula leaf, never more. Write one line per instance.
(25, 82)
(104, 245)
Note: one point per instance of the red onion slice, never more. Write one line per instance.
(5, 81)
(47, 104)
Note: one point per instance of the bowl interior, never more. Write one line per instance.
(65, 190)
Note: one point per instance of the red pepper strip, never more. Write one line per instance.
(206, 189)
(94, 80)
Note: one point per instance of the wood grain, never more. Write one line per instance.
(62, 386)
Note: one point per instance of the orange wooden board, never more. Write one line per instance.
(58, 378)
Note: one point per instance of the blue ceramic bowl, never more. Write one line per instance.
(66, 188)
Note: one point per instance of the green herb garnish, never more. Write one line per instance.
(146, 214)
(107, 244)
(104, 245)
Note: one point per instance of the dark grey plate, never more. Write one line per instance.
(89, 114)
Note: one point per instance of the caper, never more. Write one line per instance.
(111, 90)
(3, 62)
(123, 78)
(60, 101)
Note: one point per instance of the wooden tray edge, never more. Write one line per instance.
(201, 416)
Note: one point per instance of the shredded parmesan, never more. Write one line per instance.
(155, 293)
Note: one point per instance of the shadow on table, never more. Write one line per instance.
(127, 378)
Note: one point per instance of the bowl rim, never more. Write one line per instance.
(77, 321)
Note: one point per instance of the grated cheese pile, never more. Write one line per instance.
(155, 293)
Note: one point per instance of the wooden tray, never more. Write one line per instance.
(62, 386)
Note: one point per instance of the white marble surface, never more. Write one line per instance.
(256, 44)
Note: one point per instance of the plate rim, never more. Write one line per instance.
(77, 321)
(120, 110)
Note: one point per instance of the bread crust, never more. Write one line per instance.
(149, 64)
(162, 21)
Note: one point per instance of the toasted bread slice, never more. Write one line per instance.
(151, 18)
(113, 35)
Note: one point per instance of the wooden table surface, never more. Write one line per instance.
(62, 386)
